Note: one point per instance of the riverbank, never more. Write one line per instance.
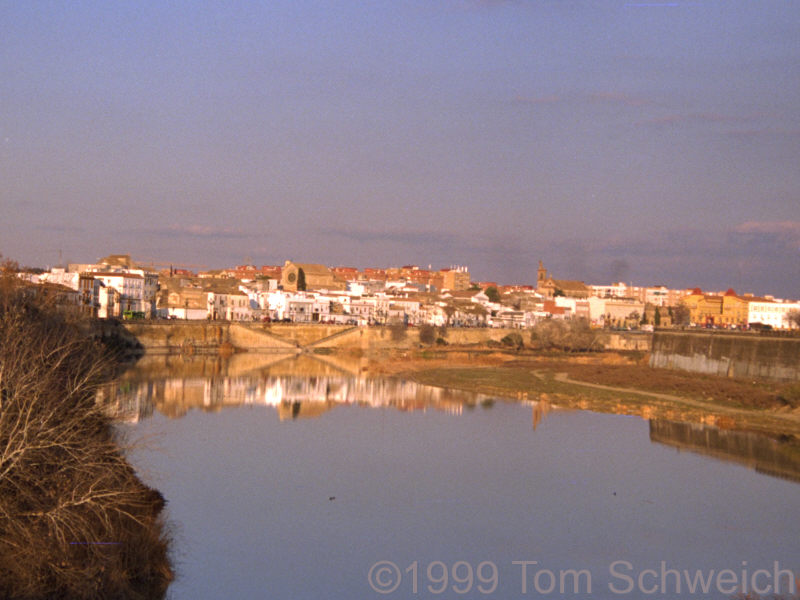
(736, 355)
(619, 377)
(612, 382)
(75, 519)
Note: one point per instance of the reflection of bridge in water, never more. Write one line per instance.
(778, 457)
(293, 396)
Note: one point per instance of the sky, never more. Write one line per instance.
(652, 142)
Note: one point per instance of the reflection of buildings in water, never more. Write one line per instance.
(297, 410)
(777, 457)
(329, 391)
(127, 402)
(539, 410)
(294, 397)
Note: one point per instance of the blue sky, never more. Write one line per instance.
(653, 142)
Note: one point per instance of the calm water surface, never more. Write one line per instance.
(294, 486)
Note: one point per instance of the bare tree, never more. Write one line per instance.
(681, 315)
(75, 521)
(793, 319)
(427, 334)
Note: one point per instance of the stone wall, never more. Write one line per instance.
(742, 355)
(197, 336)
(283, 337)
(628, 341)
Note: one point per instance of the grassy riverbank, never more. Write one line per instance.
(606, 382)
(75, 520)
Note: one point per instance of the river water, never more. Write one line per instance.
(304, 480)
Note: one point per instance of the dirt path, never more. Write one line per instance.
(714, 408)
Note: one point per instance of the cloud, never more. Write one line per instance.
(764, 133)
(504, 258)
(201, 231)
(396, 236)
(493, 2)
(694, 118)
(619, 269)
(63, 229)
(619, 98)
(536, 100)
(483, 4)
(758, 257)
(782, 227)
(781, 232)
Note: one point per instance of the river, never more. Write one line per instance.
(301, 479)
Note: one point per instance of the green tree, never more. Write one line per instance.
(657, 317)
(301, 280)
(492, 293)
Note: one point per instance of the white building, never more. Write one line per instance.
(363, 309)
(578, 308)
(131, 290)
(615, 290)
(149, 290)
(597, 310)
(657, 296)
(275, 304)
(233, 306)
(513, 319)
(300, 308)
(774, 314)
(107, 301)
(61, 276)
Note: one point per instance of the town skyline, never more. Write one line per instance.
(195, 268)
(117, 286)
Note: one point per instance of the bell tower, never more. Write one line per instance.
(541, 275)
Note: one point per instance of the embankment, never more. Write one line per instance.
(205, 337)
(728, 355)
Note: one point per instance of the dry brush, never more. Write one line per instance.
(75, 520)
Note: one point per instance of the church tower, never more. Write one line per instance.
(541, 275)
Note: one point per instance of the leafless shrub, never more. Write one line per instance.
(681, 315)
(513, 340)
(75, 521)
(427, 334)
